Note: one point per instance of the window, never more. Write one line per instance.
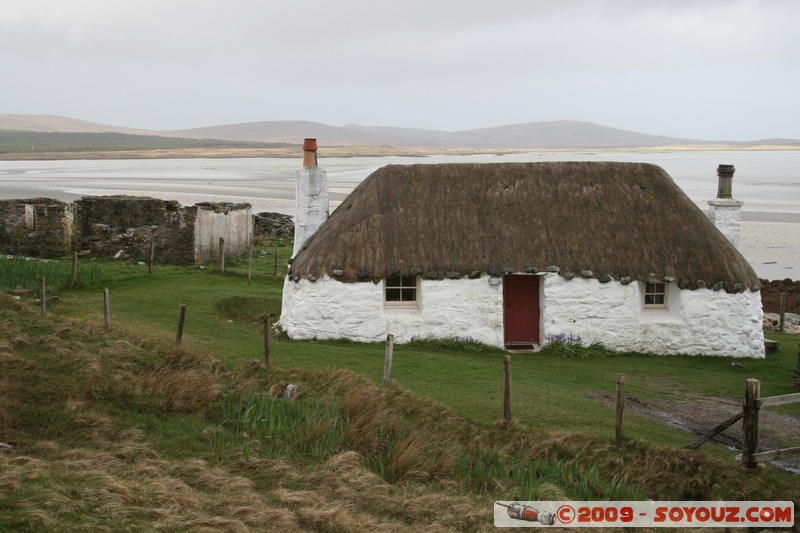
(655, 296)
(401, 291)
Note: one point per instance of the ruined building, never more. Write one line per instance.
(124, 226)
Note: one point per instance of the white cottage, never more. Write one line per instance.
(514, 254)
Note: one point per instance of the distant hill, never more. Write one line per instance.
(53, 123)
(21, 142)
(560, 134)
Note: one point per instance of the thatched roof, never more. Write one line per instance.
(623, 220)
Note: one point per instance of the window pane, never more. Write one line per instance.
(401, 289)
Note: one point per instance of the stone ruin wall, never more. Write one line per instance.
(37, 226)
(123, 227)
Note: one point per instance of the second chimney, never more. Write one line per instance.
(724, 211)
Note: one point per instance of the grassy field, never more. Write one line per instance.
(117, 429)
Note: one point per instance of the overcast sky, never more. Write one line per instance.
(704, 69)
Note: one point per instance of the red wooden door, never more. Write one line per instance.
(521, 310)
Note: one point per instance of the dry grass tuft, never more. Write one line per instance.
(369, 424)
(413, 458)
(186, 382)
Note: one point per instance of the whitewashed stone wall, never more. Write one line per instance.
(726, 214)
(329, 309)
(700, 322)
(233, 222)
(311, 191)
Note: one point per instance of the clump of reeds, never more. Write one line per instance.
(23, 273)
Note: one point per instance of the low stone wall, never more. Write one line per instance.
(273, 226)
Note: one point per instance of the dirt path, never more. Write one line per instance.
(697, 414)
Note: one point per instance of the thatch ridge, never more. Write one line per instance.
(623, 220)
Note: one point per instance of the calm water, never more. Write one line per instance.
(768, 183)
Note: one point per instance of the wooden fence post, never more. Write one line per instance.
(275, 271)
(42, 296)
(250, 265)
(106, 308)
(620, 428)
(222, 255)
(152, 258)
(267, 343)
(507, 388)
(74, 278)
(179, 337)
(387, 359)
(752, 393)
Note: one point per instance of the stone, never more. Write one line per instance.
(273, 226)
(290, 392)
(586, 274)
(685, 282)
(605, 278)
(553, 269)
(568, 275)
(625, 280)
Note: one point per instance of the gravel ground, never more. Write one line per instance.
(698, 414)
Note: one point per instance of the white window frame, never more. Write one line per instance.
(405, 283)
(655, 289)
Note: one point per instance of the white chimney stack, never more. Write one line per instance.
(311, 192)
(724, 211)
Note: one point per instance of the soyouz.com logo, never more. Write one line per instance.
(644, 514)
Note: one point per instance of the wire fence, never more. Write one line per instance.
(569, 397)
